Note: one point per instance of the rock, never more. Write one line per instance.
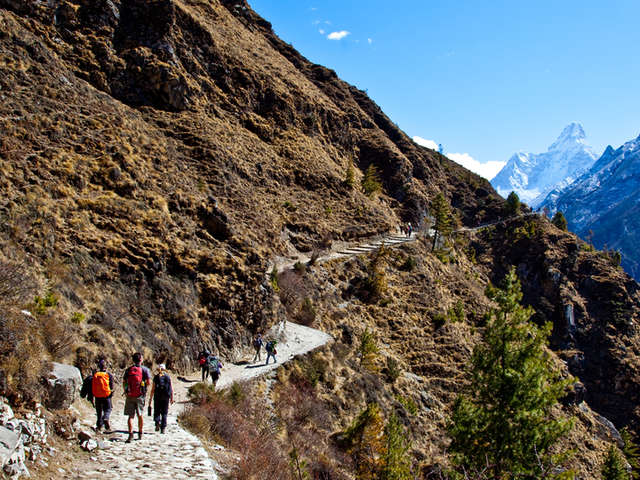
(12, 454)
(89, 445)
(608, 430)
(63, 384)
(84, 435)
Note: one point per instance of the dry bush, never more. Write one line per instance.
(245, 427)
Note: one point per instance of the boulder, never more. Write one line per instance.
(63, 386)
(12, 454)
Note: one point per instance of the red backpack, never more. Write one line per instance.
(135, 382)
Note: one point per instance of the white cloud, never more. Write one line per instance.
(322, 32)
(487, 170)
(426, 143)
(369, 41)
(338, 35)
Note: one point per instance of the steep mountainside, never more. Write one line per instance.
(602, 205)
(533, 175)
(158, 156)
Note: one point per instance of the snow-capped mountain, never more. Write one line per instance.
(533, 175)
(604, 203)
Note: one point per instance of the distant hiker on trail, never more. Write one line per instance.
(271, 351)
(204, 366)
(102, 391)
(257, 344)
(409, 229)
(162, 394)
(136, 379)
(214, 368)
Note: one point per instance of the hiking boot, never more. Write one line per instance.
(107, 427)
(157, 427)
(162, 431)
(139, 435)
(129, 438)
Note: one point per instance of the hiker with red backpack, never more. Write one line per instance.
(136, 379)
(162, 394)
(204, 365)
(102, 391)
(271, 351)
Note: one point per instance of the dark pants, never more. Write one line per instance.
(103, 410)
(160, 411)
(205, 371)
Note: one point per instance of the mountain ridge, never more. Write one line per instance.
(533, 176)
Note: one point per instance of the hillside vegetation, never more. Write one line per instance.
(159, 156)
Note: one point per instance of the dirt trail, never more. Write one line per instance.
(178, 454)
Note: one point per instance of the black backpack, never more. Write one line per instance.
(163, 386)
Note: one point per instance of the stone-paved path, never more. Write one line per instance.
(178, 454)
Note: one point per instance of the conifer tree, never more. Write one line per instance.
(559, 221)
(396, 463)
(613, 466)
(503, 422)
(365, 437)
(442, 216)
(631, 452)
(350, 178)
(513, 204)
(371, 183)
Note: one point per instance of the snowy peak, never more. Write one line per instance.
(571, 134)
(532, 176)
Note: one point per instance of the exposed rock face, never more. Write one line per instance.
(64, 384)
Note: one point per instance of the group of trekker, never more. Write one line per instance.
(269, 347)
(406, 229)
(98, 388)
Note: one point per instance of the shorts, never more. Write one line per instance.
(133, 406)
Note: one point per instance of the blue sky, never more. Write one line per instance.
(484, 78)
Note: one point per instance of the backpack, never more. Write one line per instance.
(163, 386)
(100, 385)
(214, 363)
(135, 382)
(202, 359)
(271, 347)
(257, 343)
(85, 391)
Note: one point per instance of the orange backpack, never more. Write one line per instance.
(100, 385)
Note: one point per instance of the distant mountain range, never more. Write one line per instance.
(603, 205)
(533, 175)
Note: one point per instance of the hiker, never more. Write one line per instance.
(204, 366)
(102, 391)
(215, 365)
(409, 229)
(162, 394)
(136, 379)
(257, 344)
(271, 351)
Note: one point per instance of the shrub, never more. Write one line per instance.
(371, 183)
(409, 264)
(408, 403)
(77, 317)
(41, 304)
(559, 221)
(393, 369)
(307, 312)
(273, 279)
(613, 467)
(368, 350)
(299, 267)
(350, 177)
(439, 319)
(202, 393)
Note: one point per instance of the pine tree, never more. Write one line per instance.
(613, 466)
(559, 221)
(504, 420)
(442, 215)
(365, 437)
(631, 452)
(350, 178)
(512, 207)
(371, 183)
(396, 463)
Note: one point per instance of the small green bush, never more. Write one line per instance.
(202, 393)
(300, 267)
(273, 279)
(439, 319)
(393, 370)
(408, 403)
(77, 317)
(41, 304)
(409, 264)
